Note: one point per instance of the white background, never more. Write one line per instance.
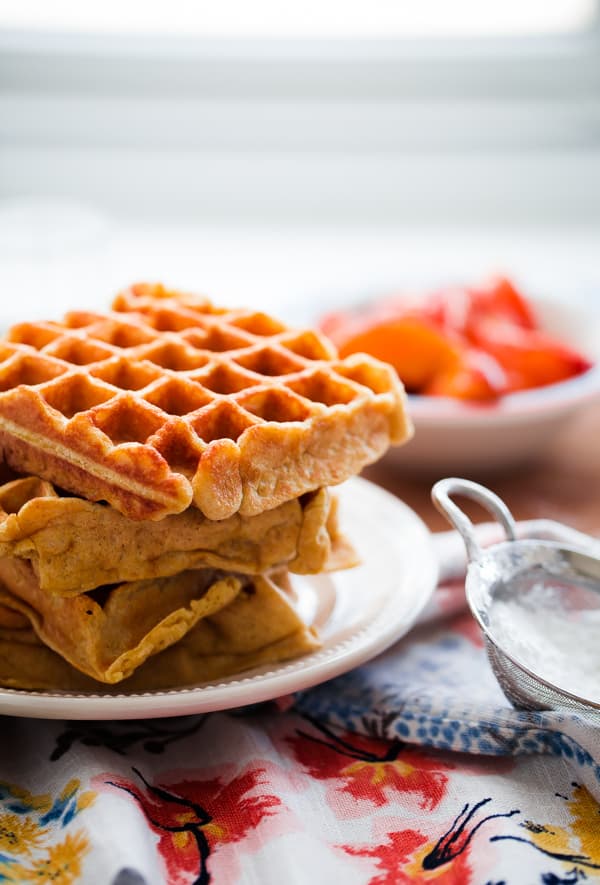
(296, 161)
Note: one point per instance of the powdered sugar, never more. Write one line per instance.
(553, 629)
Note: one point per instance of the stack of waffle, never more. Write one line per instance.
(167, 466)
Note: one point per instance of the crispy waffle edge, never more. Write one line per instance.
(266, 415)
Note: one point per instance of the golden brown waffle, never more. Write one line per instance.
(110, 632)
(259, 626)
(11, 619)
(168, 401)
(74, 545)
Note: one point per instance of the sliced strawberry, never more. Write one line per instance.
(530, 358)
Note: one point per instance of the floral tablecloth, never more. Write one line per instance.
(413, 768)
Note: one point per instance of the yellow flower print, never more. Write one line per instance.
(85, 800)
(586, 822)
(579, 842)
(19, 835)
(61, 864)
(40, 804)
(34, 845)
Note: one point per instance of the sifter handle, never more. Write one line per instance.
(441, 495)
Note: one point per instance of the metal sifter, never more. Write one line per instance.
(538, 605)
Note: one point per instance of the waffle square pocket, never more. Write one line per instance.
(168, 402)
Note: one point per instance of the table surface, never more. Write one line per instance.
(562, 484)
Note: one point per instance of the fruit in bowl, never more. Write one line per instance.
(491, 375)
(472, 343)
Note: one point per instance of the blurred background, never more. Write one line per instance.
(296, 157)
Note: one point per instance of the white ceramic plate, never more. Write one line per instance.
(358, 612)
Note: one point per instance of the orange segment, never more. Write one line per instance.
(415, 348)
(476, 377)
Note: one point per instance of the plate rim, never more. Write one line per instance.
(254, 687)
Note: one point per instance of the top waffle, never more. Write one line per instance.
(168, 401)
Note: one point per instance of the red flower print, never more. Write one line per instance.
(398, 861)
(369, 768)
(193, 817)
(407, 856)
(391, 856)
